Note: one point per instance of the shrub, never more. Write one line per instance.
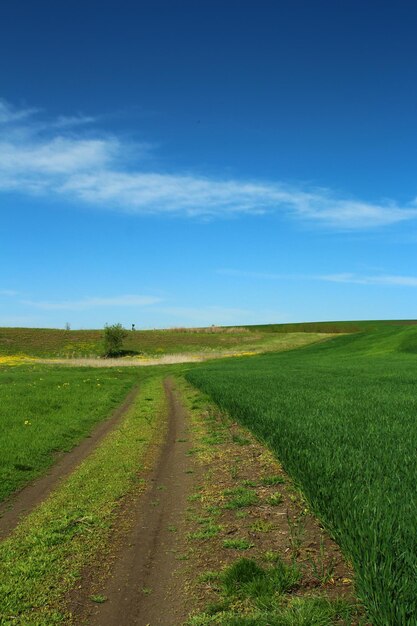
(113, 340)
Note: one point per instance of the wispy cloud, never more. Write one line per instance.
(256, 275)
(389, 280)
(8, 292)
(217, 315)
(69, 121)
(10, 114)
(91, 303)
(384, 280)
(56, 157)
(23, 321)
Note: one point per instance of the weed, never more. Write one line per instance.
(241, 441)
(245, 578)
(194, 497)
(237, 544)
(275, 499)
(210, 530)
(240, 573)
(321, 568)
(270, 556)
(192, 451)
(208, 576)
(98, 598)
(262, 526)
(240, 497)
(234, 471)
(250, 483)
(296, 533)
(268, 481)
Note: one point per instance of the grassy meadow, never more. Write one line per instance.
(50, 343)
(341, 417)
(330, 327)
(44, 558)
(45, 410)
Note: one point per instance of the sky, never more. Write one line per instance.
(192, 162)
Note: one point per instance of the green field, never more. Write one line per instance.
(330, 327)
(50, 343)
(341, 417)
(45, 410)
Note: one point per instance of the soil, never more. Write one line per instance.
(145, 587)
(24, 501)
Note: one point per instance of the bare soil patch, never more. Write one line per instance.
(24, 501)
(167, 359)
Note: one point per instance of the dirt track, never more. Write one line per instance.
(22, 503)
(143, 589)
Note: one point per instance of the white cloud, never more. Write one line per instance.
(344, 277)
(102, 170)
(68, 121)
(142, 193)
(58, 156)
(385, 280)
(10, 114)
(91, 303)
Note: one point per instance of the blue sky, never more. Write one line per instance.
(195, 163)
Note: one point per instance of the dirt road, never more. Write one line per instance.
(143, 589)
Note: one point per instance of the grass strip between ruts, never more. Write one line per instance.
(43, 559)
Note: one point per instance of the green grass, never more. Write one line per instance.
(245, 578)
(237, 544)
(262, 526)
(274, 499)
(251, 595)
(314, 611)
(49, 342)
(341, 417)
(43, 559)
(209, 529)
(331, 327)
(54, 342)
(240, 497)
(269, 481)
(44, 410)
